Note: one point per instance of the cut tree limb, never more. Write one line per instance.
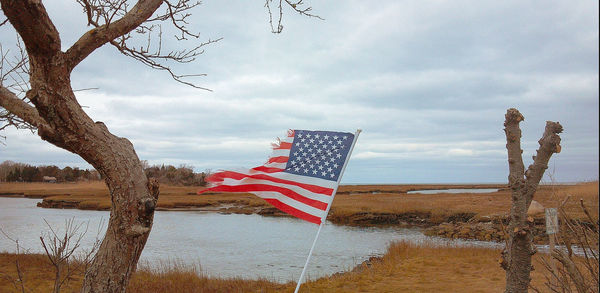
(516, 257)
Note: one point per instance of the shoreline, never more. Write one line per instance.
(440, 269)
(477, 216)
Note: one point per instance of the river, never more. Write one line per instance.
(247, 246)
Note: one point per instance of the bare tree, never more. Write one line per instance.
(516, 256)
(35, 92)
(61, 249)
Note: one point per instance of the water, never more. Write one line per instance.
(247, 246)
(455, 190)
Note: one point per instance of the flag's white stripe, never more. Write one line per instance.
(314, 196)
(276, 165)
(280, 153)
(290, 202)
(298, 178)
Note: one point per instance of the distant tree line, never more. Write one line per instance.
(166, 174)
(19, 172)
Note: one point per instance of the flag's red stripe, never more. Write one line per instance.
(293, 211)
(267, 169)
(283, 146)
(265, 187)
(280, 159)
(220, 176)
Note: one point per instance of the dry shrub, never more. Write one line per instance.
(573, 266)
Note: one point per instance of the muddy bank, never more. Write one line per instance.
(454, 226)
(484, 230)
(29, 195)
(220, 206)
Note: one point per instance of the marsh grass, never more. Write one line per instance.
(438, 207)
(406, 267)
(38, 276)
(350, 200)
(174, 276)
(424, 267)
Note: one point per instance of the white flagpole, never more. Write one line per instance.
(327, 211)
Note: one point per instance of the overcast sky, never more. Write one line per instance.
(428, 82)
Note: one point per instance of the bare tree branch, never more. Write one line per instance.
(100, 14)
(23, 112)
(150, 59)
(103, 34)
(297, 6)
(549, 145)
(14, 72)
(31, 21)
(60, 250)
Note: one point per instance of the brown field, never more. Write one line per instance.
(404, 268)
(351, 201)
(441, 206)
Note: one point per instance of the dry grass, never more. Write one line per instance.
(38, 276)
(428, 267)
(443, 205)
(180, 278)
(37, 272)
(406, 267)
(351, 199)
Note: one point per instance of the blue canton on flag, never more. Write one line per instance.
(319, 154)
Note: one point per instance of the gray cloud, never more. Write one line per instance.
(428, 82)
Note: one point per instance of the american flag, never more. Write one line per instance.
(300, 176)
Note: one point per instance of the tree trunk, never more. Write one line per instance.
(61, 121)
(133, 196)
(516, 257)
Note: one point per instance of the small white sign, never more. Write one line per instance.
(551, 221)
